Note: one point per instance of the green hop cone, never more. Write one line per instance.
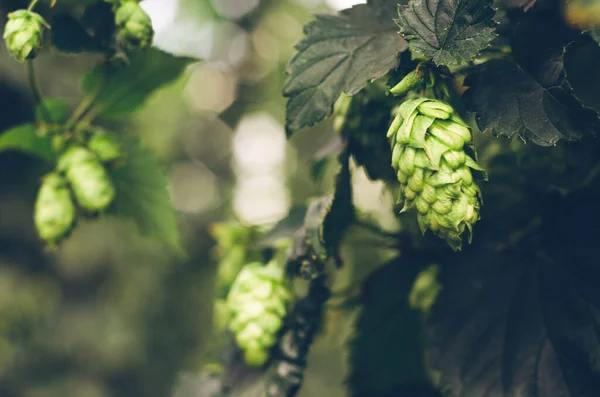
(134, 27)
(258, 302)
(24, 34)
(105, 145)
(429, 142)
(89, 180)
(54, 214)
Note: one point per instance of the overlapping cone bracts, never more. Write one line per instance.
(428, 141)
(24, 34)
(89, 180)
(54, 213)
(258, 302)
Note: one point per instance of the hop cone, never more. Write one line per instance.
(24, 34)
(54, 214)
(435, 172)
(257, 303)
(89, 180)
(105, 145)
(134, 27)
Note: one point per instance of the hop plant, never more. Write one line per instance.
(24, 34)
(54, 214)
(105, 145)
(89, 180)
(257, 303)
(429, 153)
(134, 27)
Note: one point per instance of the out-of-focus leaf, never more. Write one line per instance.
(581, 64)
(368, 118)
(322, 157)
(340, 214)
(25, 138)
(508, 101)
(448, 31)
(285, 228)
(121, 90)
(340, 53)
(55, 108)
(142, 194)
(515, 323)
(538, 46)
(385, 350)
(69, 36)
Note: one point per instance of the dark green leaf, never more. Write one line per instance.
(368, 118)
(121, 91)
(581, 64)
(508, 101)
(69, 36)
(341, 53)
(539, 44)
(508, 324)
(448, 31)
(321, 158)
(57, 110)
(340, 214)
(99, 19)
(142, 194)
(385, 350)
(25, 138)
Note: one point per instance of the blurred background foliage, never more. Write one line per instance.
(112, 313)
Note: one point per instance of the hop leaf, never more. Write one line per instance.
(448, 31)
(434, 171)
(54, 214)
(134, 27)
(258, 301)
(92, 187)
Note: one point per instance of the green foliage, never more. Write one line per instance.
(579, 61)
(25, 138)
(119, 91)
(508, 101)
(56, 109)
(505, 322)
(448, 31)
(142, 194)
(70, 36)
(386, 350)
(340, 53)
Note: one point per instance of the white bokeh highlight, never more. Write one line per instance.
(259, 159)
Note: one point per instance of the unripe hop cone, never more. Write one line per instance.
(430, 153)
(24, 34)
(134, 27)
(54, 213)
(105, 145)
(89, 180)
(258, 302)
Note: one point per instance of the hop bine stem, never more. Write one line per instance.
(33, 4)
(35, 90)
